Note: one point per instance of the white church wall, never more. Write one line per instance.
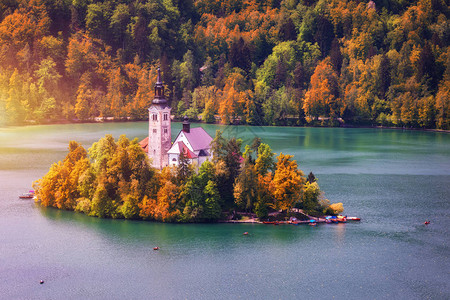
(173, 159)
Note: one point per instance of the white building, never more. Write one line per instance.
(195, 143)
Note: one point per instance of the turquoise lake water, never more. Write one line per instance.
(394, 180)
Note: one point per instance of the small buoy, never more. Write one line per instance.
(246, 233)
(41, 282)
(426, 222)
(156, 248)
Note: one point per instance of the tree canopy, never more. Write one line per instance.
(253, 62)
(114, 179)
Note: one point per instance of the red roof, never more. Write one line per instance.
(144, 144)
(187, 153)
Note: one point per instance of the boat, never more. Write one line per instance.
(331, 219)
(28, 195)
(341, 219)
(271, 222)
(353, 219)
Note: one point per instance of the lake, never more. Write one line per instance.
(393, 179)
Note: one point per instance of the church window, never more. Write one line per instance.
(166, 117)
(155, 117)
(174, 159)
(154, 130)
(165, 130)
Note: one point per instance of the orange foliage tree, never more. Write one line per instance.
(322, 99)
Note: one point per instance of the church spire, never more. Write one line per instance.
(159, 90)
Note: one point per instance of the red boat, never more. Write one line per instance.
(271, 222)
(28, 195)
(353, 219)
(341, 219)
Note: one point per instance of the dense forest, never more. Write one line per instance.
(114, 179)
(256, 62)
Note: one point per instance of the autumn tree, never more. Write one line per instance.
(245, 186)
(233, 98)
(322, 99)
(59, 187)
(122, 177)
(115, 96)
(166, 206)
(288, 183)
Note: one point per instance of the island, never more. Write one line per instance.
(115, 179)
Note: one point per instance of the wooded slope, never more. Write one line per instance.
(252, 62)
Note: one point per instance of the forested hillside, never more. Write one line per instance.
(288, 62)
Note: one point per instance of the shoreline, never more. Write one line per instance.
(127, 120)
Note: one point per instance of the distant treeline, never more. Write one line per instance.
(115, 180)
(257, 62)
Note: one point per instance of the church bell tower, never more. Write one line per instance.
(159, 131)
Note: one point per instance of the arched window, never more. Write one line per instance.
(166, 117)
(155, 117)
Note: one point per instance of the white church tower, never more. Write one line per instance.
(159, 131)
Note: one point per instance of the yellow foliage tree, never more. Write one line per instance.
(165, 209)
(147, 207)
(337, 208)
(443, 105)
(145, 78)
(59, 187)
(288, 183)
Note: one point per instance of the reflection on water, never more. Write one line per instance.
(340, 234)
(181, 235)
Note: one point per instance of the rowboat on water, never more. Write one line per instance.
(271, 222)
(28, 195)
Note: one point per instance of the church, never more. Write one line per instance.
(194, 143)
